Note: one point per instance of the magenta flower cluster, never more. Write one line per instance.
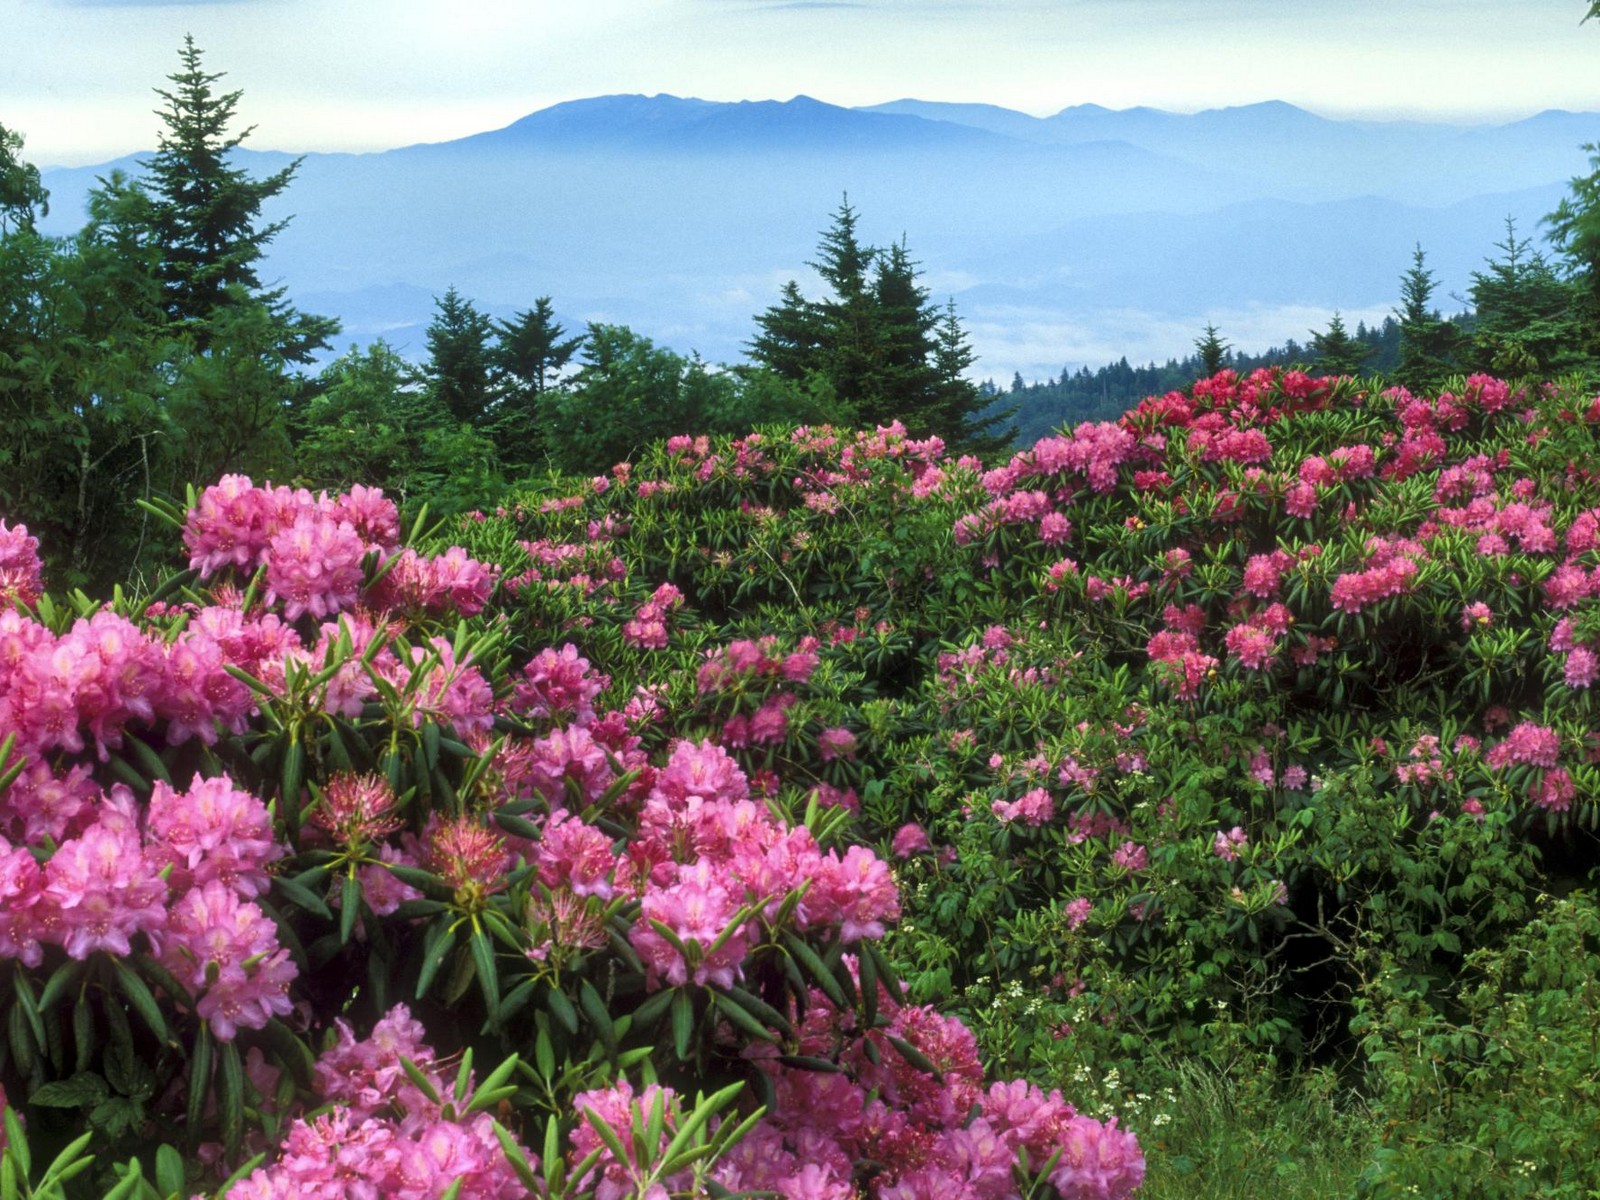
(181, 875)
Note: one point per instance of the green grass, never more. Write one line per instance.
(1226, 1138)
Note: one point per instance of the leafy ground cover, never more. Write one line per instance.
(813, 812)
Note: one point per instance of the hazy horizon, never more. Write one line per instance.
(368, 75)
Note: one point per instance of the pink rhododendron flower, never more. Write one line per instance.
(1034, 808)
(910, 839)
(1226, 846)
(20, 570)
(559, 686)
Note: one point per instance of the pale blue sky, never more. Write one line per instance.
(369, 74)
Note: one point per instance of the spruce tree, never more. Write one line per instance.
(526, 360)
(791, 336)
(458, 367)
(875, 345)
(531, 350)
(1212, 349)
(1427, 343)
(1528, 319)
(205, 214)
(982, 426)
(1337, 353)
(1575, 233)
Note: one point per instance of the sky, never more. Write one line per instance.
(359, 75)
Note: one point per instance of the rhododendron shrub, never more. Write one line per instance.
(803, 812)
(327, 786)
(1226, 611)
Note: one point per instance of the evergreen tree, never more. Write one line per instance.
(530, 351)
(526, 359)
(1527, 315)
(1575, 233)
(1337, 353)
(1212, 349)
(458, 369)
(872, 346)
(849, 317)
(902, 379)
(1427, 343)
(984, 425)
(628, 393)
(791, 336)
(205, 213)
(82, 376)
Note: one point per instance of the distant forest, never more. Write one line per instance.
(1105, 394)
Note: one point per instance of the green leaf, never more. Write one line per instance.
(516, 1156)
(595, 1009)
(349, 905)
(84, 1088)
(200, 1082)
(170, 1177)
(139, 996)
(16, 1140)
(682, 1022)
(436, 946)
(818, 972)
(302, 896)
(493, 1088)
(740, 1016)
(483, 963)
(915, 1057)
(62, 978)
(561, 1008)
(230, 1095)
(422, 1082)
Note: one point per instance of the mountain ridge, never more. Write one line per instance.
(683, 217)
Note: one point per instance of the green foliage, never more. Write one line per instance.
(1427, 343)
(1336, 351)
(459, 370)
(881, 346)
(1213, 351)
(1496, 1094)
(22, 195)
(1528, 319)
(205, 214)
(629, 392)
(528, 357)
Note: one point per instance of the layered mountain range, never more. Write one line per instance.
(1071, 239)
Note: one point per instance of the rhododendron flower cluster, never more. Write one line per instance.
(379, 1134)
(1391, 571)
(1035, 808)
(183, 873)
(1530, 743)
(20, 569)
(559, 686)
(648, 628)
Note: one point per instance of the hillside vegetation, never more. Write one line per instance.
(466, 788)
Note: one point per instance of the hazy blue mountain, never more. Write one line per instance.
(1060, 238)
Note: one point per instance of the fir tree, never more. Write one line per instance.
(530, 350)
(1527, 315)
(1212, 349)
(1575, 233)
(875, 346)
(527, 359)
(1337, 353)
(205, 214)
(791, 336)
(458, 367)
(1427, 343)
